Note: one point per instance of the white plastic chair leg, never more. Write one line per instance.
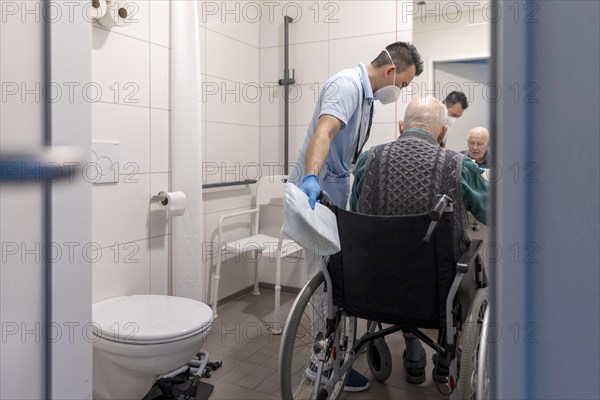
(276, 325)
(256, 291)
(215, 286)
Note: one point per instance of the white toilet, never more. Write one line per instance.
(137, 338)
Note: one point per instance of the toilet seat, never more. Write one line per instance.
(149, 319)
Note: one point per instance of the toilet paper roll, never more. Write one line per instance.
(96, 9)
(116, 15)
(175, 202)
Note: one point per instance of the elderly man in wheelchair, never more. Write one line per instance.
(406, 264)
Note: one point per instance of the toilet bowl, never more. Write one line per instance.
(137, 338)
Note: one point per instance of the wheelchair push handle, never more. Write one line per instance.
(440, 208)
(443, 205)
(324, 198)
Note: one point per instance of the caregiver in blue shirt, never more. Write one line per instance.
(342, 119)
(339, 129)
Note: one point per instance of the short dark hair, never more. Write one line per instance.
(404, 54)
(455, 97)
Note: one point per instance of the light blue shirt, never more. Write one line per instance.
(348, 96)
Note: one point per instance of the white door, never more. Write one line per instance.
(45, 280)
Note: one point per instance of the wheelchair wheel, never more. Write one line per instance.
(469, 347)
(379, 359)
(304, 345)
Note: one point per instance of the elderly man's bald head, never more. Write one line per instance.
(427, 113)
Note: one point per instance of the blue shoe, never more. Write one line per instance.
(356, 382)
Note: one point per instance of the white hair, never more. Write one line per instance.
(480, 130)
(427, 113)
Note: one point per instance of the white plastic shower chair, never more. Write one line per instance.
(269, 192)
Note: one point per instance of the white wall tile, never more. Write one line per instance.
(228, 198)
(405, 10)
(309, 60)
(237, 19)
(160, 141)
(160, 264)
(473, 39)
(302, 102)
(121, 270)
(271, 104)
(232, 102)
(360, 18)
(231, 59)
(120, 211)
(311, 21)
(271, 144)
(130, 126)
(159, 221)
(452, 15)
(347, 53)
(202, 33)
(233, 149)
(119, 69)
(296, 139)
(160, 14)
(159, 77)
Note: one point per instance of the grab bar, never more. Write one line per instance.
(224, 184)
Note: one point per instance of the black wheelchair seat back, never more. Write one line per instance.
(385, 271)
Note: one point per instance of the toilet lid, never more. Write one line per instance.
(149, 318)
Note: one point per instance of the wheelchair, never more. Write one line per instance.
(398, 273)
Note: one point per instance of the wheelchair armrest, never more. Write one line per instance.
(468, 256)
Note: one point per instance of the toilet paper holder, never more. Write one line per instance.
(160, 198)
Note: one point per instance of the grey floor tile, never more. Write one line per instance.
(263, 372)
(267, 387)
(232, 376)
(249, 382)
(228, 391)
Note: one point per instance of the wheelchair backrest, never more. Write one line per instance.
(386, 272)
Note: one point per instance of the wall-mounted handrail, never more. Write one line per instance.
(286, 82)
(224, 184)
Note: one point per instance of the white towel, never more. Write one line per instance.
(315, 230)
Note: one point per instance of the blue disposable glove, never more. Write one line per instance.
(310, 186)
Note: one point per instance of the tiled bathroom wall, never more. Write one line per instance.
(131, 235)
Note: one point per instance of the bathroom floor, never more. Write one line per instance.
(249, 352)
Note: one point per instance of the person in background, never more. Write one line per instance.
(478, 143)
(456, 103)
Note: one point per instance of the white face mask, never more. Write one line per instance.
(390, 93)
(450, 121)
